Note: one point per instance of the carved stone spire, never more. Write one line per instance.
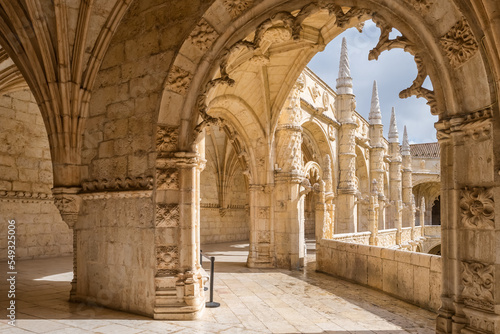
(393, 128)
(375, 116)
(405, 150)
(344, 81)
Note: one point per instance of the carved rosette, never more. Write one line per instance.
(478, 281)
(179, 80)
(459, 43)
(68, 203)
(236, 7)
(167, 260)
(477, 208)
(421, 6)
(167, 215)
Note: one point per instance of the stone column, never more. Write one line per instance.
(289, 177)
(407, 184)
(422, 215)
(470, 263)
(377, 154)
(178, 283)
(321, 214)
(394, 175)
(68, 203)
(373, 218)
(261, 234)
(328, 227)
(345, 105)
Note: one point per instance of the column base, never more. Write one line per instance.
(72, 293)
(179, 299)
(481, 322)
(260, 261)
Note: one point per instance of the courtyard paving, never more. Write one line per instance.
(252, 301)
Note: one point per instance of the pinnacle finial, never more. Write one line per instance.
(344, 81)
(393, 128)
(405, 150)
(375, 116)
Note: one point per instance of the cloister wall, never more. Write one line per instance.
(26, 182)
(413, 277)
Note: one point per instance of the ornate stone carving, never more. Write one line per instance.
(477, 208)
(167, 178)
(421, 6)
(166, 138)
(402, 42)
(459, 43)
(68, 203)
(236, 7)
(276, 35)
(179, 80)
(167, 215)
(476, 125)
(118, 184)
(478, 280)
(263, 213)
(264, 236)
(203, 35)
(167, 260)
(326, 101)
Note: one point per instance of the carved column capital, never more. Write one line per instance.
(68, 203)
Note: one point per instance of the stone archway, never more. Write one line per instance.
(280, 29)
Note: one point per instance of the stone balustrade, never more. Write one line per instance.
(413, 277)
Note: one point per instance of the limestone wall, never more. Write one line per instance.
(413, 277)
(26, 182)
(227, 224)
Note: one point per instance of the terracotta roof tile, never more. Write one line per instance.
(426, 150)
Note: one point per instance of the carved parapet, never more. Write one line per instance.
(68, 203)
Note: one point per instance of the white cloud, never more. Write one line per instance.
(394, 71)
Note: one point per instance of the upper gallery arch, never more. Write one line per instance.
(263, 51)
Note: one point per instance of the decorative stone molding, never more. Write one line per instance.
(118, 184)
(166, 139)
(116, 194)
(478, 280)
(402, 42)
(237, 7)
(68, 203)
(203, 35)
(475, 125)
(24, 196)
(459, 43)
(167, 215)
(178, 80)
(167, 260)
(477, 208)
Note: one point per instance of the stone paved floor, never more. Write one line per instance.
(252, 301)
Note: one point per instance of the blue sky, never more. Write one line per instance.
(394, 71)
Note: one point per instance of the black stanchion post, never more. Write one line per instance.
(211, 303)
